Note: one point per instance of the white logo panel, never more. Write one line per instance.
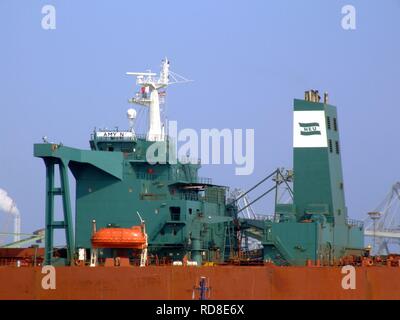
(309, 129)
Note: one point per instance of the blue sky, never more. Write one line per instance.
(249, 60)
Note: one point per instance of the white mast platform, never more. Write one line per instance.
(149, 96)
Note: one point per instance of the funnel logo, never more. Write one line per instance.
(309, 129)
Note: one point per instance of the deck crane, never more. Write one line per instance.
(281, 179)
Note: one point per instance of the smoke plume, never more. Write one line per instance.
(7, 204)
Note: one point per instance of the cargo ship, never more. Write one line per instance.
(147, 226)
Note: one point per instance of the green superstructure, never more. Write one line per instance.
(183, 212)
(316, 225)
(188, 216)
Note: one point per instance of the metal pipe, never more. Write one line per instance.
(258, 198)
(251, 189)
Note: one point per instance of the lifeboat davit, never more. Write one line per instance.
(134, 238)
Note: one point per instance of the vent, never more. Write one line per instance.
(328, 123)
(337, 147)
(335, 124)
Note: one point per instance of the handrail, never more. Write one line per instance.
(355, 223)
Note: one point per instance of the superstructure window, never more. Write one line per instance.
(328, 123)
(175, 213)
(334, 124)
(337, 147)
(330, 146)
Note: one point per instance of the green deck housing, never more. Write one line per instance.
(189, 216)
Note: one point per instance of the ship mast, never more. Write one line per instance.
(149, 97)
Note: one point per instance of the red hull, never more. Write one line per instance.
(226, 282)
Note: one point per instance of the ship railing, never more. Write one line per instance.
(148, 176)
(273, 218)
(202, 180)
(94, 137)
(152, 176)
(134, 137)
(355, 223)
(140, 136)
(213, 199)
(187, 196)
(143, 136)
(196, 197)
(119, 138)
(187, 160)
(264, 217)
(199, 180)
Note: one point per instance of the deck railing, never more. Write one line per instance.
(355, 223)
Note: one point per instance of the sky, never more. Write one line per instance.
(248, 59)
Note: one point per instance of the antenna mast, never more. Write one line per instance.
(149, 96)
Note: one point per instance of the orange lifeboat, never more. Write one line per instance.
(134, 238)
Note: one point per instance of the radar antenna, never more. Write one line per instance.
(131, 114)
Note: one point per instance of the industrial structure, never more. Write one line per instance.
(188, 217)
(10, 208)
(35, 237)
(382, 226)
(147, 226)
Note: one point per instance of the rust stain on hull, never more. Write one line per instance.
(176, 283)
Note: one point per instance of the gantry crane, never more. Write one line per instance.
(383, 224)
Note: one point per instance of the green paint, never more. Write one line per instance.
(184, 214)
(188, 215)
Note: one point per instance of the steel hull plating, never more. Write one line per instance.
(177, 283)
